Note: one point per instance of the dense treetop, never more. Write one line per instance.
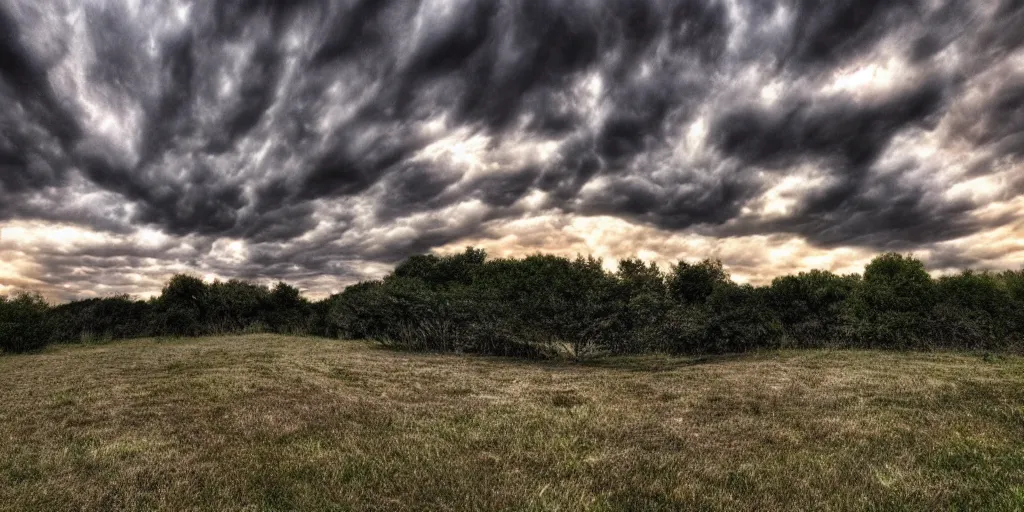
(545, 305)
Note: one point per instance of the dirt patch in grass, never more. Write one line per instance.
(566, 399)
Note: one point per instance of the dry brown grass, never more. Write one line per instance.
(278, 423)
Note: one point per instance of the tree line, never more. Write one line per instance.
(544, 305)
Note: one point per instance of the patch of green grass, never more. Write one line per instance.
(267, 422)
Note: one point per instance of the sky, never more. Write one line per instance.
(321, 142)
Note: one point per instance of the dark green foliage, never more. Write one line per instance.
(812, 306)
(99, 319)
(548, 302)
(358, 312)
(442, 271)
(288, 312)
(183, 307)
(186, 307)
(1013, 284)
(415, 315)
(546, 305)
(694, 283)
(236, 306)
(462, 303)
(685, 328)
(645, 308)
(23, 323)
(973, 310)
(893, 304)
(740, 320)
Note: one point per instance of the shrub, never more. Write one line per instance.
(740, 320)
(645, 306)
(108, 318)
(544, 305)
(23, 323)
(236, 306)
(812, 306)
(685, 329)
(893, 304)
(181, 309)
(553, 302)
(288, 312)
(972, 310)
(359, 311)
(694, 283)
(442, 271)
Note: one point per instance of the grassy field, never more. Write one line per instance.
(277, 423)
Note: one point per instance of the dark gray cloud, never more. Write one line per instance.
(825, 34)
(850, 133)
(323, 135)
(857, 205)
(999, 123)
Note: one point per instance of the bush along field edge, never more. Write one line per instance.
(544, 306)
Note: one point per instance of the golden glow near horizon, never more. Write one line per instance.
(754, 259)
(777, 138)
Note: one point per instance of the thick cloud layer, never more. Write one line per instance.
(320, 141)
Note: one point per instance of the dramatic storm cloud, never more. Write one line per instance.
(322, 141)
